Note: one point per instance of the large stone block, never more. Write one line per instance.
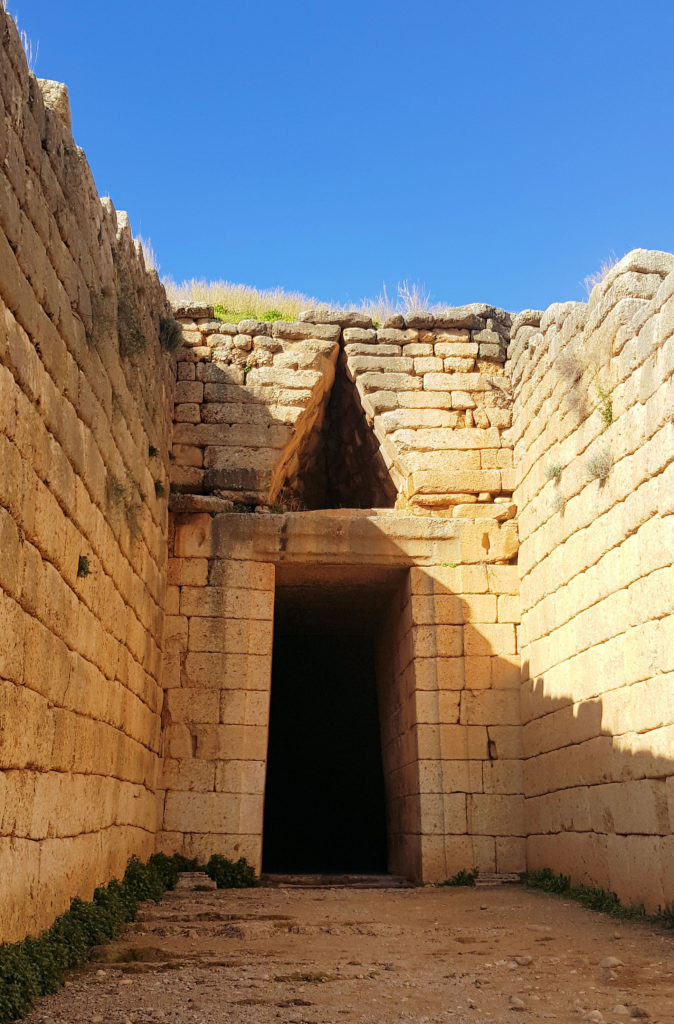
(439, 673)
(495, 815)
(489, 638)
(188, 774)
(240, 777)
(230, 636)
(188, 705)
(437, 641)
(227, 602)
(490, 707)
(212, 812)
(231, 742)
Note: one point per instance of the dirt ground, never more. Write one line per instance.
(309, 955)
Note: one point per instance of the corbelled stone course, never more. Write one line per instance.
(453, 374)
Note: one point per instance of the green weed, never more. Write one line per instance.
(228, 874)
(83, 567)
(462, 877)
(594, 898)
(604, 404)
(38, 966)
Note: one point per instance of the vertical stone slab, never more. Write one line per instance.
(216, 720)
(465, 691)
(399, 743)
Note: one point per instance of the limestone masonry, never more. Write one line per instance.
(482, 503)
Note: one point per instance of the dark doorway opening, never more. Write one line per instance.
(325, 805)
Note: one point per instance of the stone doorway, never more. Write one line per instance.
(326, 801)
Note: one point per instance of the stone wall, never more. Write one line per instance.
(448, 678)
(216, 712)
(85, 400)
(421, 423)
(594, 453)
(417, 417)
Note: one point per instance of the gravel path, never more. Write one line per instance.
(304, 956)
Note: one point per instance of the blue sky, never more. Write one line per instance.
(492, 151)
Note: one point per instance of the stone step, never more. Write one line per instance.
(347, 881)
(190, 879)
(493, 878)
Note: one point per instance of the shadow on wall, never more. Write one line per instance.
(277, 421)
(466, 783)
(600, 806)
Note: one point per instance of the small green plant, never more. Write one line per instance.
(234, 314)
(274, 314)
(594, 898)
(558, 502)
(462, 877)
(665, 915)
(152, 451)
(604, 404)
(170, 334)
(276, 510)
(38, 966)
(548, 881)
(83, 567)
(241, 506)
(599, 465)
(228, 874)
(159, 489)
(115, 491)
(449, 565)
(553, 471)
(122, 499)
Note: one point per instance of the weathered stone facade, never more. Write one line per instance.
(597, 580)
(83, 535)
(410, 485)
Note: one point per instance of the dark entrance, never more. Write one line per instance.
(324, 802)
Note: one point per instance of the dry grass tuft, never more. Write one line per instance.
(31, 52)
(558, 502)
(554, 471)
(599, 465)
(148, 253)
(239, 301)
(593, 279)
(236, 302)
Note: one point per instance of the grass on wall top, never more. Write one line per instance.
(235, 302)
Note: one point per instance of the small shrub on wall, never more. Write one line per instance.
(599, 465)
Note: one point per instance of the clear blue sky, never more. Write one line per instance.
(495, 151)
